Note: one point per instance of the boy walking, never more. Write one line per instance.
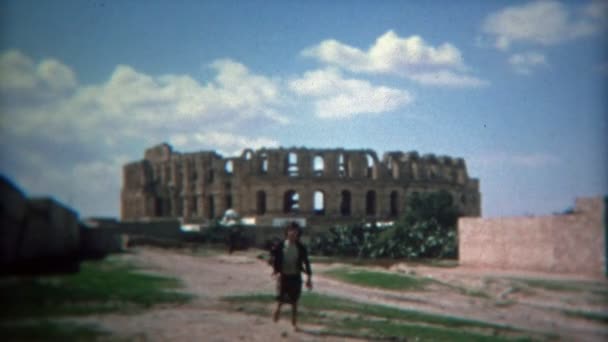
(289, 260)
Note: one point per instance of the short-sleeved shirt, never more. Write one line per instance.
(290, 259)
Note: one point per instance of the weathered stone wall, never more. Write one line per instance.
(573, 243)
(267, 183)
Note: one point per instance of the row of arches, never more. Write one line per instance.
(292, 203)
(344, 167)
(292, 166)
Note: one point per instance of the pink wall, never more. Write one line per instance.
(573, 243)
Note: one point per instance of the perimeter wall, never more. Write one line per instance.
(571, 243)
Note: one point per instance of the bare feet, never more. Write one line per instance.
(275, 315)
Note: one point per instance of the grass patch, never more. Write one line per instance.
(558, 285)
(379, 279)
(594, 316)
(100, 286)
(342, 317)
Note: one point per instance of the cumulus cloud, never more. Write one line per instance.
(336, 97)
(543, 23)
(61, 137)
(524, 63)
(390, 54)
(227, 144)
(449, 79)
(21, 79)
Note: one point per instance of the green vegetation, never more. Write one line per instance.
(29, 305)
(559, 285)
(426, 230)
(594, 316)
(379, 279)
(342, 317)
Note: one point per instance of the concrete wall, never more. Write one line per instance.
(573, 243)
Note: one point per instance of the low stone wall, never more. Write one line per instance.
(573, 243)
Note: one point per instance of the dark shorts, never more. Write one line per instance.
(289, 288)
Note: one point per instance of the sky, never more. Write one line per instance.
(516, 88)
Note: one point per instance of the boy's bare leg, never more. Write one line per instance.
(277, 312)
(294, 315)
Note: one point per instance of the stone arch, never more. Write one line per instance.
(291, 164)
(228, 201)
(263, 166)
(415, 170)
(229, 167)
(318, 165)
(291, 202)
(342, 165)
(261, 202)
(370, 203)
(210, 207)
(345, 203)
(247, 154)
(371, 164)
(319, 202)
(394, 204)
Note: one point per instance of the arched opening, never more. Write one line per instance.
(247, 154)
(318, 165)
(369, 169)
(370, 203)
(210, 207)
(263, 163)
(415, 171)
(291, 165)
(342, 166)
(261, 202)
(319, 202)
(229, 167)
(394, 204)
(228, 201)
(291, 202)
(345, 203)
(461, 177)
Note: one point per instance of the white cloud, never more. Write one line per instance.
(449, 79)
(543, 23)
(227, 144)
(60, 137)
(132, 103)
(23, 80)
(336, 97)
(523, 63)
(410, 57)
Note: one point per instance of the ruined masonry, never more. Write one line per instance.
(317, 185)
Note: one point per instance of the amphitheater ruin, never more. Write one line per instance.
(271, 185)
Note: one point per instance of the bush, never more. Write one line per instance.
(426, 230)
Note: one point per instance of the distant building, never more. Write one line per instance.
(271, 185)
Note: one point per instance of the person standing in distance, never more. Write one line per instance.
(289, 260)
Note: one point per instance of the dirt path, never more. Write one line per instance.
(207, 319)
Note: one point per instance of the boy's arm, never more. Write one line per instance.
(307, 268)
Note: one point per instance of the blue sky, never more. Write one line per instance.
(517, 88)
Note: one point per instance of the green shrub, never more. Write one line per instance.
(426, 230)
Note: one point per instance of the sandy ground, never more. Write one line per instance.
(206, 318)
